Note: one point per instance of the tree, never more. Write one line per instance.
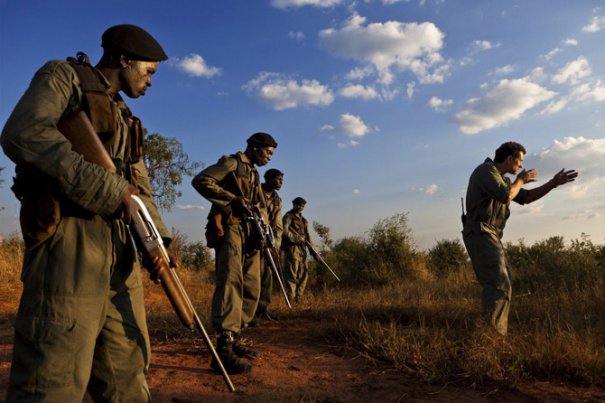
(1, 182)
(167, 163)
(324, 234)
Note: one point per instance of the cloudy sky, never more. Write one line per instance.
(379, 106)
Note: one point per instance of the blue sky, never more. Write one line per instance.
(379, 106)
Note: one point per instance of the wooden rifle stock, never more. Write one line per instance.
(84, 140)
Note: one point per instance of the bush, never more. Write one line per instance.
(447, 256)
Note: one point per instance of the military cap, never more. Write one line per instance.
(272, 173)
(261, 140)
(299, 200)
(133, 42)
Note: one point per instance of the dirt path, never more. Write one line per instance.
(293, 368)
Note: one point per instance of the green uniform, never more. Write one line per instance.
(487, 211)
(274, 206)
(81, 320)
(237, 257)
(296, 270)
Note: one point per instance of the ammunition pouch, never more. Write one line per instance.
(40, 210)
(214, 229)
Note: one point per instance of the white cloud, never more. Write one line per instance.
(596, 24)
(439, 104)
(358, 91)
(553, 53)
(573, 71)
(410, 89)
(351, 126)
(587, 215)
(585, 155)
(554, 107)
(195, 65)
(589, 92)
(190, 207)
(508, 101)
(390, 45)
(480, 45)
(282, 93)
(355, 191)
(299, 36)
(429, 190)
(359, 73)
(283, 4)
(571, 42)
(504, 70)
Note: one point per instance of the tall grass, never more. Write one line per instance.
(422, 315)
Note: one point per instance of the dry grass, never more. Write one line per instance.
(427, 326)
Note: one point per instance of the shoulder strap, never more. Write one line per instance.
(96, 102)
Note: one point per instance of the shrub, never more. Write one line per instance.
(447, 256)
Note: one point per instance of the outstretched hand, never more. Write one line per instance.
(563, 176)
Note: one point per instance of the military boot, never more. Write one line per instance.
(242, 350)
(231, 361)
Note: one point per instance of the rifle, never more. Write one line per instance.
(463, 216)
(320, 259)
(265, 234)
(79, 131)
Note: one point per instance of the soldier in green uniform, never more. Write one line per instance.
(488, 197)
(81, 320)
(274, 179)
(295, 242)
(233, 186)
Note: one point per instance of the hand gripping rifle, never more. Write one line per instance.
(264, 233)
(79, 131)
(320, 259)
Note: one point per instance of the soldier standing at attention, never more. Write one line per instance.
(233, 186)
(81, 321)
(273, 182)
(488, 197)
(294, 243)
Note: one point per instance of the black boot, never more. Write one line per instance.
(242, 350)
(231, 361)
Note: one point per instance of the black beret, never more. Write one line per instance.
(272, 173)
(133, 42)
(299, 200)
(262, 140)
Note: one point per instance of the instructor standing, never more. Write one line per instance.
(488, 197)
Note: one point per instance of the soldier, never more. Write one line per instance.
(488, 197)
(81, 319)
(233, 185)
(273, 182)
(295, 242)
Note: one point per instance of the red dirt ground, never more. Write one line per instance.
(294, 368)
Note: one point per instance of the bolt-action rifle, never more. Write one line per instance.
(79, 131)
(318, 257)
(264, 233)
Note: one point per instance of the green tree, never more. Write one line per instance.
(324, 234)
(167, 163)
(447, 256)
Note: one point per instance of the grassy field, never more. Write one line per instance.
(419, 311)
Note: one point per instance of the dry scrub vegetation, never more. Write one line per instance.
(419, 311)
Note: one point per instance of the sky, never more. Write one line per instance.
(379, 107)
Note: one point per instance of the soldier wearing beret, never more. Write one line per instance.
(81, 320)
(274, 179)
(296, 241)
(233, 186)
